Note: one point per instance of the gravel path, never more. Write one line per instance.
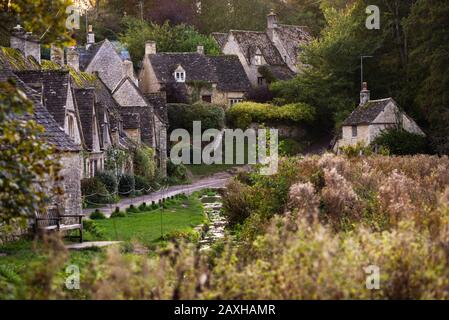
(218, 180)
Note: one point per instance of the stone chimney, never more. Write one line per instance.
(364, 94)
(90, 37)
(200, 49)
(73, 59)
(128, 69)
(150, 47)
(272, 23)
(26, 42)
(272, 20)
(57, 54)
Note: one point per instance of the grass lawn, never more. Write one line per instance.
(145, 228)
(18, 258)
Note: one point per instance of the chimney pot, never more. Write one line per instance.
(364, 94)
(150, 47)
(128, 69)
(73, 59)
(200, 49)
(90, 37)
(272, 20)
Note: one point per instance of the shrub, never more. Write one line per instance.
(261, 94)
(97, 215)
(400, 142)
(118, 214)
(142, 184)
(108, 179)
(289, 147)
(95, 192)
(132, 209)
(144, 164)
(143, 207)
(91, 227)
(179, 172)
(127, 185)
(181, 116)
(236, 204)
(243, 114)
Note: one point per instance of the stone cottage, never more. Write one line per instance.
(140, 121)
(371, 118)
(193, 76)
(275, 51)
(68, 152)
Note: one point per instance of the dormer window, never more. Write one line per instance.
(180, 74)
(258, 58)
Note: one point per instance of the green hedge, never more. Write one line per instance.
(243, 114)
(181, 116)
(400, 142)
(95, 192)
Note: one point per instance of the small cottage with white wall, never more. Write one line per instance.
(371, 118)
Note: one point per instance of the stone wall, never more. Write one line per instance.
(285, 131)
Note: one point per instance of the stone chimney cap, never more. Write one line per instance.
(272, 13)
(18, 28)
(365, 86)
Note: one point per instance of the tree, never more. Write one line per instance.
(179, 38)
(46, 19)
(427, 28)
(27, 163)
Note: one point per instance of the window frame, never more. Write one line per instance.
(355, 132)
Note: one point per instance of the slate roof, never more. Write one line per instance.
(12, 59)
(293, 36)
(281, 72)
(85, 100)
(53, 134)
(220, 38)
(54, 85)
(250, 41)
(86, 55)
(159, 103)
(226, 71)
(367, 113)
(107, 102)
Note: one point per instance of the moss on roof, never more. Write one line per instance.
(14, 60)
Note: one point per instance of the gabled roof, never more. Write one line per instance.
(53, 134)
(54, 86)
(291, 37)
(251, 41)
(226, 71)
(12, 59)
(85, 100)
(87, 55)
(220, 38)
(367, 113)
(230, 73)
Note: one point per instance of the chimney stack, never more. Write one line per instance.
(57, 54)
(90, 37)
(128, 69)
(364, 94)
(26, 42)
(73, 59)
(272, 20)
(200, 49)
(150, 47)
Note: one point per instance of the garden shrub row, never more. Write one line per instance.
(243, 114)
(181, 116)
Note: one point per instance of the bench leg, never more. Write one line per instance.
(81, 235)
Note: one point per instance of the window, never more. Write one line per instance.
(233, 101)
(354, 131)
(260, 81)
(71, 127)
(207, 98)
(258, 58)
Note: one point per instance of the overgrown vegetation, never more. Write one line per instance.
(182, 116)
(243, 114)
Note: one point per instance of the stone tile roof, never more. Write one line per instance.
(54, 85)
(86, 55)
(130, 120)
(292, 37)
(14, 60)
(367, 113)
(159, 103)
(230, 73)
(250, 41)
(53, 134)
(221, 38)
(226, 71)
(107, 102)
(281, 72)
(85, 100)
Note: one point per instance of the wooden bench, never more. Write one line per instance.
(52, 220)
